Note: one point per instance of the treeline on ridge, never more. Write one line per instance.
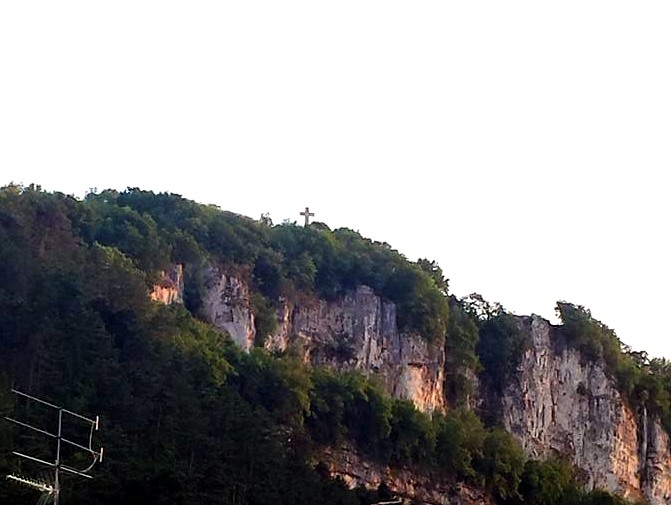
(155, 229)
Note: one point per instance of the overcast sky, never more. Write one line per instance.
(523, 145)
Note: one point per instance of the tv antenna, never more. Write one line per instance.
(51, 491)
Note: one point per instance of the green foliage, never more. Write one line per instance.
(551, 482)
(412, 436)
(281, 385)
(134, 234)
(480, 309)
(591, 337)
(456, 445)
(500, 348)
(459, 443)
(462, 362)
(602, 498)
(485, 338)
(501, 464)
(554, 482)
(349, 406)
(265, 317)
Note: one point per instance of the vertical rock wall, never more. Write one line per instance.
(356, 332)
(561, 404)
(359, 332)
(226, 305)
(656, 463)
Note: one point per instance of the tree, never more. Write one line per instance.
(500, 348)
(502, 464)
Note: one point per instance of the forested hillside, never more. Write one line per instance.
(190, 419)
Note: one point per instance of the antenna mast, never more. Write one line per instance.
(54, 490)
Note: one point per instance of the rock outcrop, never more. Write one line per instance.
(170, 287)
(355, 332)
(559, 403)
(226, 305)
(359, 332)
(420, 486)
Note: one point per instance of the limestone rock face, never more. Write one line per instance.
(356, 332)
(226, 305)
(170, 288)
(359, 332)
(656, 462)
(560, 403)
(420, 486)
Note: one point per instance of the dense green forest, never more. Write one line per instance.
(190, 419)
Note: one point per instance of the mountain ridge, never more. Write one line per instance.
(80, 319)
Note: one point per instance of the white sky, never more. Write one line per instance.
(524, 145)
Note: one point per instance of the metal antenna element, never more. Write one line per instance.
(57, 465)
(40, 486)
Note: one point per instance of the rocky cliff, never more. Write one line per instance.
(359, 332)
(355, 332)
(226, 305)
(558, 403)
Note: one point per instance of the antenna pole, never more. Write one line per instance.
(96, 456)
(57, 483)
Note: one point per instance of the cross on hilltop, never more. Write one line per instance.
(307, 215)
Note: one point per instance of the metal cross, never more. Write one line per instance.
(307, 215)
